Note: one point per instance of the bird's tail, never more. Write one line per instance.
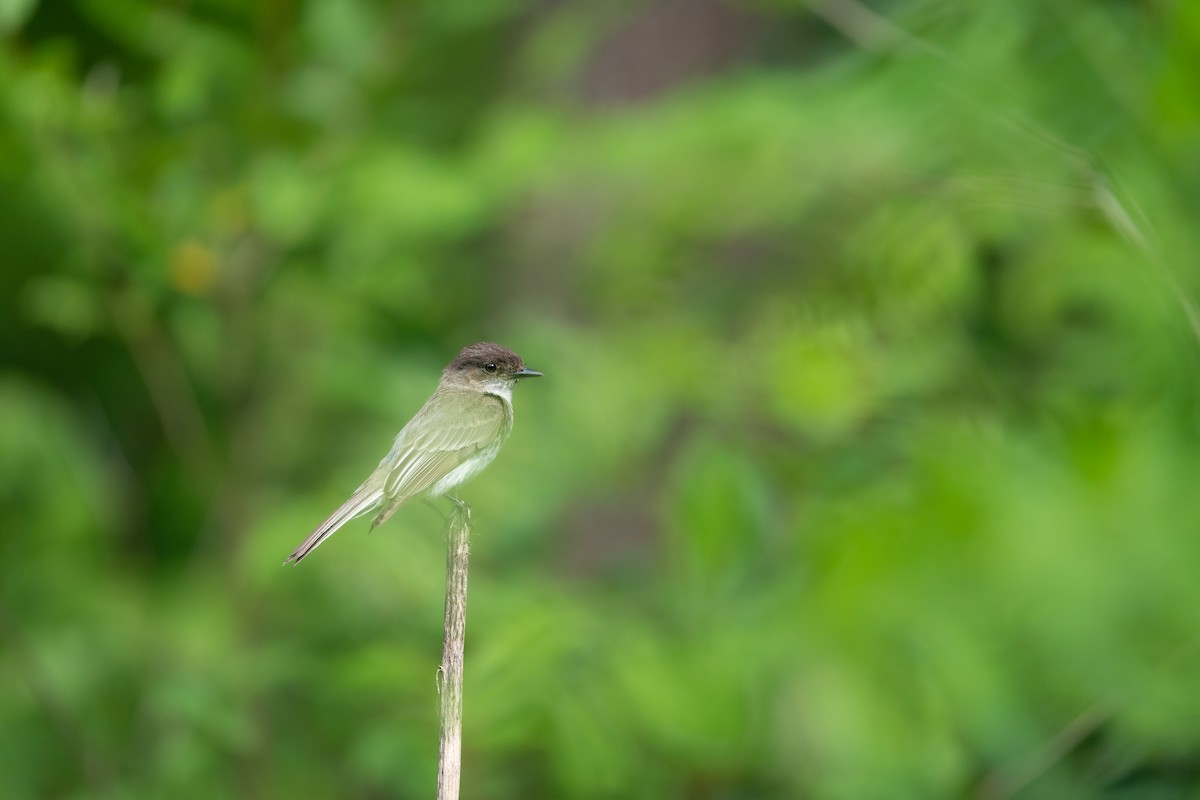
(364, 499)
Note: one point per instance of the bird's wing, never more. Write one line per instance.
(422, 454)
(365, 499)
(425, 452)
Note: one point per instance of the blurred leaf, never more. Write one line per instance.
(864, 461)
(14, 13)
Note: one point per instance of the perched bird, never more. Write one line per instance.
(452, 438)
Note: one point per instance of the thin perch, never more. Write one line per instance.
(451, 671)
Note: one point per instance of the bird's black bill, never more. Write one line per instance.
(527, 373)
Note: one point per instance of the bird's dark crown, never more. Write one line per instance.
(481, 354)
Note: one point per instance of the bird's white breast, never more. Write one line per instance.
(487, 454)
(468, 469)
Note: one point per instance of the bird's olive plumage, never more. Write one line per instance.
(451, 438)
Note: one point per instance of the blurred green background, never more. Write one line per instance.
(866, 461)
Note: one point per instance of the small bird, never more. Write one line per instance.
(452, 438)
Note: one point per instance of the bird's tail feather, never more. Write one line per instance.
(364, 499)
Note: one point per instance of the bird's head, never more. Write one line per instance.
(488, 367)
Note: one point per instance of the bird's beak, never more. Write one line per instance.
(527, 373)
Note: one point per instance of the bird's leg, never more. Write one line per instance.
(461, 508)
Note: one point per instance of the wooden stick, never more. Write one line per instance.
(451, 671)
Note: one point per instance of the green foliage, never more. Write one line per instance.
(864, 464)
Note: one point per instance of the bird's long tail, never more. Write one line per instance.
(364, 499)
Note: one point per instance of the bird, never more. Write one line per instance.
(453, 437)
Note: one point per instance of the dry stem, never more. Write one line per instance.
(451, 671)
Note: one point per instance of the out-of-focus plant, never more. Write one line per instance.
(863, 463)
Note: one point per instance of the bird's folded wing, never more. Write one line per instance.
(426, 451)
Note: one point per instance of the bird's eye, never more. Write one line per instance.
(490, 366)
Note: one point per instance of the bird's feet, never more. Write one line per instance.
(461, 509)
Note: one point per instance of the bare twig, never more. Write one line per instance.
(869, 30)
(1007, 782)
(876, 33)
(450, 674)
(169, 386)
